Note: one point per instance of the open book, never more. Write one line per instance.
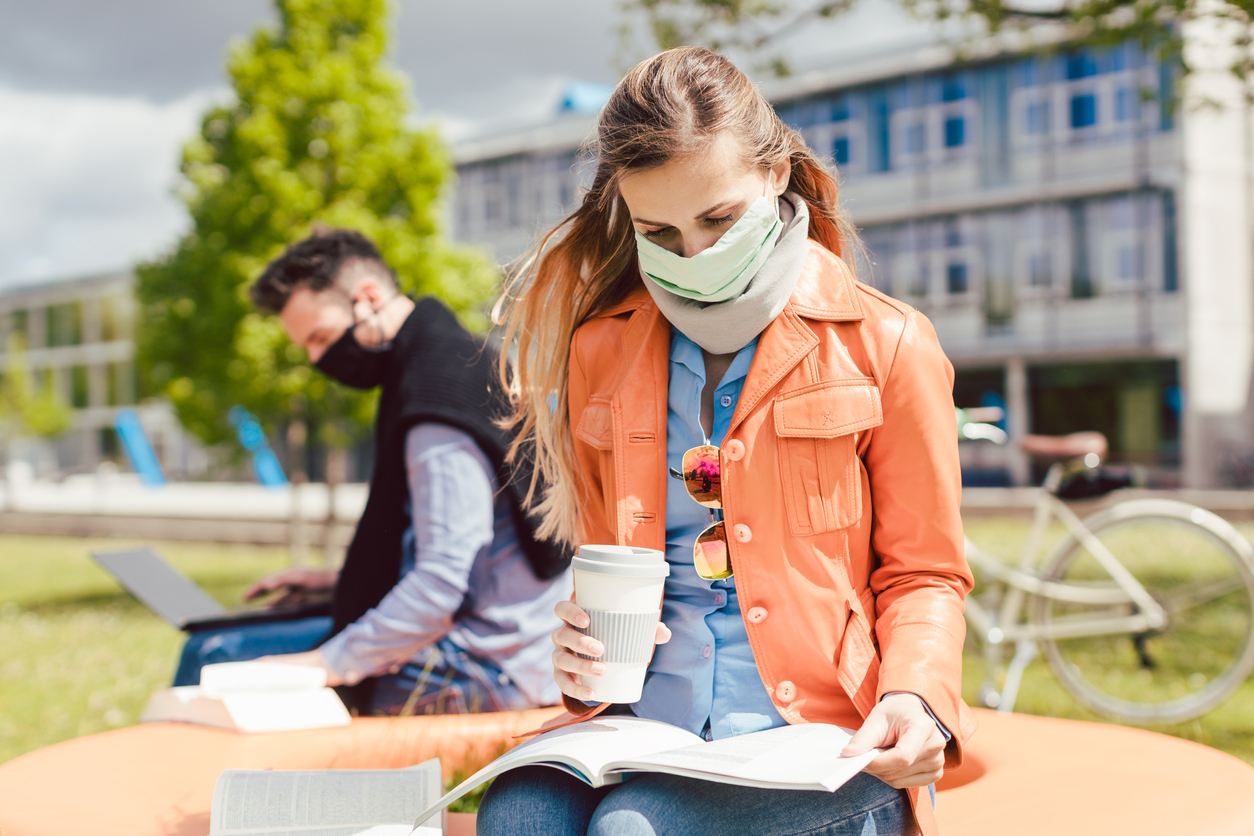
(252, 697)
(324, 802)
(603, 750)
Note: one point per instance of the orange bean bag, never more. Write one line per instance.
(1030, 776)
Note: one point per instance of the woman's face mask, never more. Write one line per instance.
(724, 270)
(353, 364)
(686, 206)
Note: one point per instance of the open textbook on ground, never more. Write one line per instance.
(252, 697)
(324, 802)
(603, 750)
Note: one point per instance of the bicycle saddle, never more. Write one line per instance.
(1073, 446)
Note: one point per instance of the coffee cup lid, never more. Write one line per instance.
(621, 560)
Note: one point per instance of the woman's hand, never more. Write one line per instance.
(917, 754)
(296, 584)
(568, 641)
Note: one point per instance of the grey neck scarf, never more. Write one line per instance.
(726, 327)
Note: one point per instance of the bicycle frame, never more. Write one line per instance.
(1007, 624)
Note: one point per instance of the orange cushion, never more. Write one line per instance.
(1031, 776)
(157, 779)
(1039, 776)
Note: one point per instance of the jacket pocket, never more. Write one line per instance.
(596, 424)
(817, 429)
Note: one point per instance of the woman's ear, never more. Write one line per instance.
(781, 174)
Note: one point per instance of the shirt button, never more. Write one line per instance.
(718, 599)
(725, 400)
(785, 692)
(757, 615)
(735, 449)
(705, 652)
(743, 533)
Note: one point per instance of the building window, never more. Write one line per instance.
(916, 138)
(121, 384)
(839, 108)
(1083, 110)
(1126, 104)
(955, 131)
(879, 113)
(1040, 270)
(953, 87)
(956, 278)
(1131, 262)
(1038, 118)
(80, 395)
(840, 150)
(1081, 64)
(65, 324)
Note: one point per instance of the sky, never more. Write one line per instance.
(97, 98)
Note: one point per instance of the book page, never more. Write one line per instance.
(805, 756)
(583, 749)
(322, 802)
(261, 711)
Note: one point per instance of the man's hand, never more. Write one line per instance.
(567, 641)
(917, 754)
(310, 658)
(296, 584)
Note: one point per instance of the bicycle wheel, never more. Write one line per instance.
(1199, 570)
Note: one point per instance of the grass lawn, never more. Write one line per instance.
(78, 655)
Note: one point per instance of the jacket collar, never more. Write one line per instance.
(826, 290)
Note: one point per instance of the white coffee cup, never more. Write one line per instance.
(620, 587)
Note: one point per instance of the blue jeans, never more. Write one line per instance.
(543, 801)
(441, 679)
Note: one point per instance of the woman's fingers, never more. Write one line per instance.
(570, 612)
(663, 634)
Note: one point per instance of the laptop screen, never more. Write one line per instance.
(159, 586)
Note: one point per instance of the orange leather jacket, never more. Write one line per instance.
(841, 489)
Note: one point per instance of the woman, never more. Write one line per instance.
(699, 297)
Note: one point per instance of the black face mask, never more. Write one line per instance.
(352, 364)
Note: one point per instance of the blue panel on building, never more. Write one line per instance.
(955, 131)
(1083, 110)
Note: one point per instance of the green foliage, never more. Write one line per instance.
(318, 134)
(28, 410)
(751, 26)
(735, 26)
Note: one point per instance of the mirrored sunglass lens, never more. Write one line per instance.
(710, 556)
(702, 476)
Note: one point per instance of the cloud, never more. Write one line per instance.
(88, 180)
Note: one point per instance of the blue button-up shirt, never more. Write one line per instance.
(463, 575)
(704, 679)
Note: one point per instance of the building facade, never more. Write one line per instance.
(80, 333)
(1080, 240)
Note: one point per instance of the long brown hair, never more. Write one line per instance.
(666, 107)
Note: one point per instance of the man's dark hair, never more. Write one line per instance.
(313, 263)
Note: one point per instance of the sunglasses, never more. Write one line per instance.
(702, 476)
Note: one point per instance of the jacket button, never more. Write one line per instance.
(735, 449)
(705, 652)
(756, 615)
(743, 533)
(785, 691)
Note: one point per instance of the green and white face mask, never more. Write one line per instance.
(724, 270)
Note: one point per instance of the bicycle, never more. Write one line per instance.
(1145, 610)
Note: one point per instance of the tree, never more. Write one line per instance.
(26, 409)
(753, 26)
(318, 134)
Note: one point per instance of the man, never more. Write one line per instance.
(445, 600)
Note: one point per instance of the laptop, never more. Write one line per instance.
(182, 602)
